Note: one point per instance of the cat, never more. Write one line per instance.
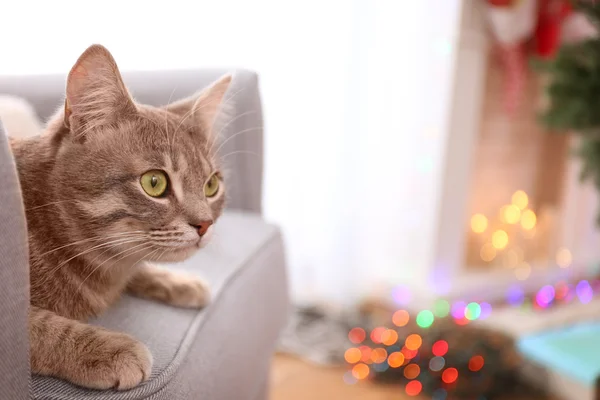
(109, 187)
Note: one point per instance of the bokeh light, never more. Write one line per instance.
(440, 348)
(584, 291)
(413, 388)
(349, 378)
(500, 239)
(357, 335)
(512, 258)
(528, 220)
(396, 359)
(360, 371)
(413, 342)
(379, 355)
(515, 296)
(476, 363)
(523, 271)
(487, 252)
(401, 295)
(472, 311)
(564, 257)
(439, 394)
(425, 319)
(479, 223)
(365, 352)
(408, 353)
(441, 308)
(458, 309)
(400, 318)
(545, 296)
(520, 199)
(376, 334)
(486, 310)
(389, 337)
(450, 375)
(437, 363)
(411, 371)
(382, 367)
(352, 355)
(511, 214)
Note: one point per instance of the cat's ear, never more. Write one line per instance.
(205, 106)
(96, 94)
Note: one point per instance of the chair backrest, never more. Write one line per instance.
(14, 281)
(242, 135)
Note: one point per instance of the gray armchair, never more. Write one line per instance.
(222, 352)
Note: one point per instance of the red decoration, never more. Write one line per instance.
(552, 13)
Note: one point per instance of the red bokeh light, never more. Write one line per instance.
(357, 335)
(377, 333)
(450, 375)
(440, 348)
(413, 388)
(476, 363)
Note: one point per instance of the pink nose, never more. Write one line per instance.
(203, 226)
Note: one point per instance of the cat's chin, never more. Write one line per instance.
(177, 254)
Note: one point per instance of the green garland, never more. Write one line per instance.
(574, 94)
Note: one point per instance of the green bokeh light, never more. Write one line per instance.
(441, 308)
(472, 311)
(425, 319)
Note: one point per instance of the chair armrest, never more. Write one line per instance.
(14, 281)
(241, 136)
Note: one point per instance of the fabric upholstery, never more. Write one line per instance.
(221, 352)
(14, 282)
(210, 354)
(242, 135)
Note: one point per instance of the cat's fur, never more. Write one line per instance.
(92, 228)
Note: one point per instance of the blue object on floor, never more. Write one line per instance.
(573, 351)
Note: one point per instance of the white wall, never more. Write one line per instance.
(357, 96)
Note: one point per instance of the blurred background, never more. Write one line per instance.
(419, 161)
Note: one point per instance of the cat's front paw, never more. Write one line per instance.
(170, 287)
(188, 291)
(113, 360)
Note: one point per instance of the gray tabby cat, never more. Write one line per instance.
(110, 186)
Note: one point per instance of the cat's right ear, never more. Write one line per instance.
(96, 94)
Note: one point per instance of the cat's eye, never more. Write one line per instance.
(154, 183)
(211, 187)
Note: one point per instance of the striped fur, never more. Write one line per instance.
(93, 231)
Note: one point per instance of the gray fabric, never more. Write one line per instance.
(14, 282)
(222, 352)
(243, 152)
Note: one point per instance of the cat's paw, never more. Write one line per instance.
(170, 287)
(113, 360)
(188, 291)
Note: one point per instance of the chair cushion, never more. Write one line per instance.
(221, 352)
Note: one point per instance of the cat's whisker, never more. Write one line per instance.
(113, 243)
(231, 121)
(234, 136)
(95, 238)
(49, 204)
(241, 152)
(147, 246)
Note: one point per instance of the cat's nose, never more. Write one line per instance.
(202, 226)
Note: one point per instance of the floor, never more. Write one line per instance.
(296, 380)
(292, 379)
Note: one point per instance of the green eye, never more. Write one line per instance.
(212, 186)
(154, 183)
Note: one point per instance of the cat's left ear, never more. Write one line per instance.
(205, 107)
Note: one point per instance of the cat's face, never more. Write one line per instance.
(145, 179)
